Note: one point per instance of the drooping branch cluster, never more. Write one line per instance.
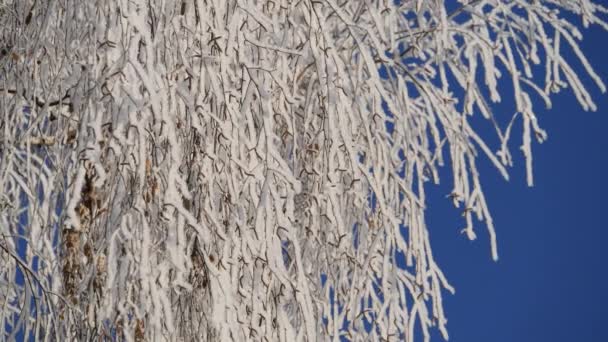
(255, 170)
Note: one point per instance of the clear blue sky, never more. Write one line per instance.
(551, 282)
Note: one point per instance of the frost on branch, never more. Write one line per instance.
(255, 170)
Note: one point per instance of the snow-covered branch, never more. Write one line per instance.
(256, 170)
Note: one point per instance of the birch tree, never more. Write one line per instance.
(255, 170)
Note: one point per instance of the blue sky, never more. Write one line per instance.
(550, 283)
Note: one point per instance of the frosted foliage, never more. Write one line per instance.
(221, 170)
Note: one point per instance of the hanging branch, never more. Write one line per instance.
(257, 170)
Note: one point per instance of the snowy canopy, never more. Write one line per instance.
(216, 170)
